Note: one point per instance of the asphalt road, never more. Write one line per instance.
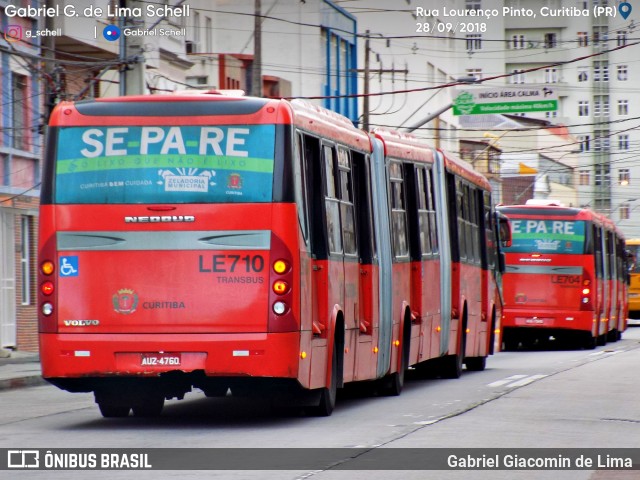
(524, 399)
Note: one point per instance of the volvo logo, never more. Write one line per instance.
(160, 219)
(81, 323)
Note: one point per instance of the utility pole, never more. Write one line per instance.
(365, 100)
(50, 87)
(256, 77)
(132, 80)
(366, 85)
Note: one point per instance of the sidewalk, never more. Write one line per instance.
(21, 369)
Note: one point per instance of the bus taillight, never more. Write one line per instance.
(282, 317)
(47, 291)
(280, 287)
(586, 302)
(47, 288)
(47, 267)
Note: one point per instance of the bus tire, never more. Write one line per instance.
(109, 410)
(451, 366)
(476, 364)
(590, 341)
(392, 384)
(328, 395)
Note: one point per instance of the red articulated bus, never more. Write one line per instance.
(257, 246)
(565, 277)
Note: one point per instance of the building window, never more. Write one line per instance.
(474, 41)
(583, 74)
(622, 38)
(624, 176)
(622, 73)
(517, 42)
(18, 110)
(585, 143)
(517, 76)
(583, 108)
(473, 5)
(601, 143)
(623, 107)
(208, 31)
(602, 175)
(600, 36)
(550, 40)
(583, 39)
(625, 211)
(601, 71)
(551, 75)
(474, 72)
(26, 253)
(601, 106)
(197, 48)
(553, 114)
(623, 141)
(584, 177)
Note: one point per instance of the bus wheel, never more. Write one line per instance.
(150, 407)
(451, 366)
(392, 384)
(590, 341)
(109, 410)
(328, 395)
(476, 364)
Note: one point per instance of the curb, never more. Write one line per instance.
(22, 382)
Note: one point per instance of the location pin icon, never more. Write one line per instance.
(625, 9)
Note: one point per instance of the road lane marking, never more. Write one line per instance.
(510, 379)
(516, 381)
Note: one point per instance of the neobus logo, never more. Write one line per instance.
(161, 219)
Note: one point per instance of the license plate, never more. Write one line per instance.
(534, 321)
(160, 359)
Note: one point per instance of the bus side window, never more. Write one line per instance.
(364, 208)
(313, 158)
(345, 194)
(423, 212)
(461, 215)
(398, 210)
(300, 172)
(331, 202)
(490, 249)
(431, 207)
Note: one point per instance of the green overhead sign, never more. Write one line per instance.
(484, 101)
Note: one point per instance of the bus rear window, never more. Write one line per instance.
(165, 164)
(547, 236)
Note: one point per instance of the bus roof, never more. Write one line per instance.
(404, 145)
(316, 119)
(560, 213)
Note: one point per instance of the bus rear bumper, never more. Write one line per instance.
(578, 321)
(83, 356)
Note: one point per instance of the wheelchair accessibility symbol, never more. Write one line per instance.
(69, 266)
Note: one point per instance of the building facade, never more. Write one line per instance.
(21, 124)
(587, 60)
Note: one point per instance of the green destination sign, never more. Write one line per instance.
(518, 99)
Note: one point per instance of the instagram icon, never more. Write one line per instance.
(13, 33)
